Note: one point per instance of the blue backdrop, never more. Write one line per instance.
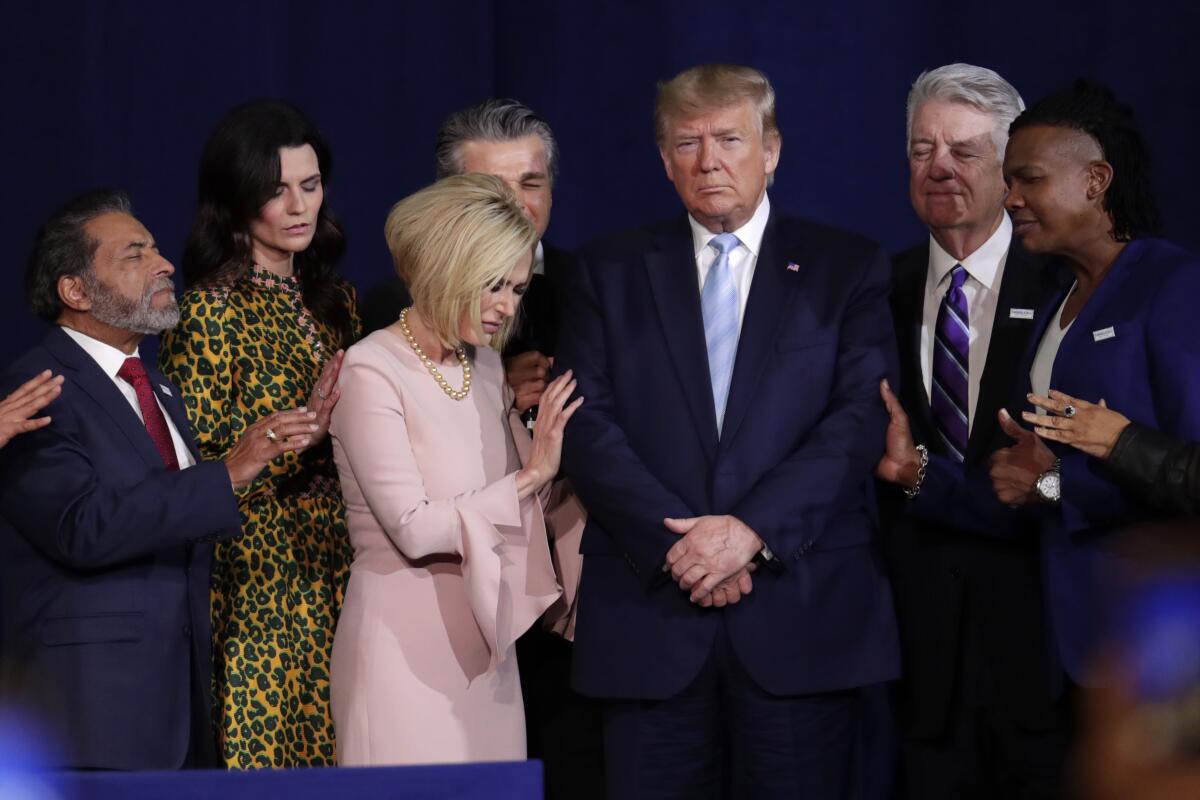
(123, 92)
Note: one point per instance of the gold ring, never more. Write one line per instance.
(321, 394)
(272, 436)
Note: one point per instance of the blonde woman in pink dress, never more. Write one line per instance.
(443, 494)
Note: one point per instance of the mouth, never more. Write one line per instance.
(490, 328)
(711, 189)
(299, 229)
(1023, 225)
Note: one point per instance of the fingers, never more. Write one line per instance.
(1103, 404)
(680, 526)
(1047, 420)
(698, 577)
(894, 409)
(1010, 427)
(32, 396)
(1065, 400)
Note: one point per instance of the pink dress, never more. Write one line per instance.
(449, 567)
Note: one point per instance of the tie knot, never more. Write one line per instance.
(724, 243)
(133, 371)
(958, 276)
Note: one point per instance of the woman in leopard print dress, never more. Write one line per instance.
(264, 321)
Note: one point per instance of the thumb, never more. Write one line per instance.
(1102, 403)
(679, 525)
(1010, 426)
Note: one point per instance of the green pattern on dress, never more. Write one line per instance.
(240, 353)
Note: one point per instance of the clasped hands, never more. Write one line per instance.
(713, 558)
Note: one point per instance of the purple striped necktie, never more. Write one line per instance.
(951, 349)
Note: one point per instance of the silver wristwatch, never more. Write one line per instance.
(1049, 483)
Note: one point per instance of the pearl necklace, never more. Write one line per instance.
(459, 352)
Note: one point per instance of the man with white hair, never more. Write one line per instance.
(980, 714)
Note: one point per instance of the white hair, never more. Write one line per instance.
(978, 87)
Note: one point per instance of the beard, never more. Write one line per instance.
(113, 309)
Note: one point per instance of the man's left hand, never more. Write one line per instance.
(1015, 470)
(712, 549)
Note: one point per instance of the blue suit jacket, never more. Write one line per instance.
(803, 430)
(1136, 343)
(104, 569)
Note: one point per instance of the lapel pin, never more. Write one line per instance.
(1020, 313)
(165, 390)
(1104, 333)
(793, 266)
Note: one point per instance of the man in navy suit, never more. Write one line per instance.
(966, 602)
(108, 512)
(733, 599)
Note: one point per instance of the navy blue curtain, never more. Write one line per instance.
(123, 92)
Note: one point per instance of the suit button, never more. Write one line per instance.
(187, 631)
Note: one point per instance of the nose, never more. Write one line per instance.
(941, 165)
(508, 303)
(296, 203)
(708, 156)
(165, 268)
(1014, 200)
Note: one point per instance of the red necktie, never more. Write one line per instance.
(134, 373)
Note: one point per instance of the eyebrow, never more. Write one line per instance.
(533, 175)
(138, 244)
(314, 176)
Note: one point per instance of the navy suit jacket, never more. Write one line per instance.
(1136, 343)
(104, 569)
(803, 430)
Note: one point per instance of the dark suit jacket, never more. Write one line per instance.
(1135, 344)
(537, 326)
(104, 569)
(802, 432)
(946, 578)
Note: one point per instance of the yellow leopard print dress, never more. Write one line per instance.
(240, 353)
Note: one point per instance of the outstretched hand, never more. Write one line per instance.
(1016, 469)
(901, 462)
(17, 410)
(266, 440)
(1091, 427)
(546, 453)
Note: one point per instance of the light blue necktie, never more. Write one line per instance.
(719, 305)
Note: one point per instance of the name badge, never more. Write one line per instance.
(1104, 333)
(1020, 313)
(165, 390)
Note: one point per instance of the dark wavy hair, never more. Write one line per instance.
(239, 173)
(1093, 108)
(63, 247)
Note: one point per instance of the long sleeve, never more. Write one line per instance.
(69, 503)
(196, 356)
(1164, 470)
(501, 540)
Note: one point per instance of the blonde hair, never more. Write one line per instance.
(710, 87)
(451, 242)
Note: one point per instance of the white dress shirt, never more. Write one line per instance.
(985, 271)
(110, 360)
(742, 259)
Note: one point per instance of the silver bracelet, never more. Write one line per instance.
(916, 490)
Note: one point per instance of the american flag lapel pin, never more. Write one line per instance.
(793, 266)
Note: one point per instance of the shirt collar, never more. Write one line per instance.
(750, 234)
(108, 357)
(539, 259)
(983, 265)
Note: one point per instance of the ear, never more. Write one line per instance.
(1099, 178)
(772, 144)
(72, 294)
